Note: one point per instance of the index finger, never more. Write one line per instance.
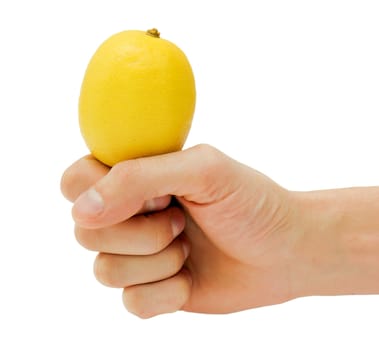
(81, 175)
(87, 171)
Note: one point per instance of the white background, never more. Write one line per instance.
(289, 87)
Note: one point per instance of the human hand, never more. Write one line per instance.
(226, 245)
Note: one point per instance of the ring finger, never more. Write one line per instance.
(122, 271)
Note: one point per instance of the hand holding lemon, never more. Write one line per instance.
(237, 240)
(136, 106)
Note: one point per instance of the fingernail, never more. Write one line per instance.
(156, 203)
(151, 204)
(186, 249)
(177, 222)
(89, 203)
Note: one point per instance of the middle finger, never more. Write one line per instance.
(139, 235)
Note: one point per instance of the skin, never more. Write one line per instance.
(197, 231)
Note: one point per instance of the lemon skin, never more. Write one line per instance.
(137, 98)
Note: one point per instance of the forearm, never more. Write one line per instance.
(338, 248)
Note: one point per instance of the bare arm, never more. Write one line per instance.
(339, 249)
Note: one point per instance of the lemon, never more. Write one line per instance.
(137, 98)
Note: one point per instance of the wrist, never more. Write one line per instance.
(337, 251)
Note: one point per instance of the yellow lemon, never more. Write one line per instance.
(137, 97)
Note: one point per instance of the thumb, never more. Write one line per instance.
(200, 174)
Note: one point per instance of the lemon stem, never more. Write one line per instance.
(153, 32)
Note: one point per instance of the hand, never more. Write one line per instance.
(224, 244)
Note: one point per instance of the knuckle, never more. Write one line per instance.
(86, 238)
(134, 302)
(169, 296)
(207, 150)
(103, 270)
(75, 177)
(211, 156)
(68, 182)
(213, 165)
(204, 147)
(126, 169)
